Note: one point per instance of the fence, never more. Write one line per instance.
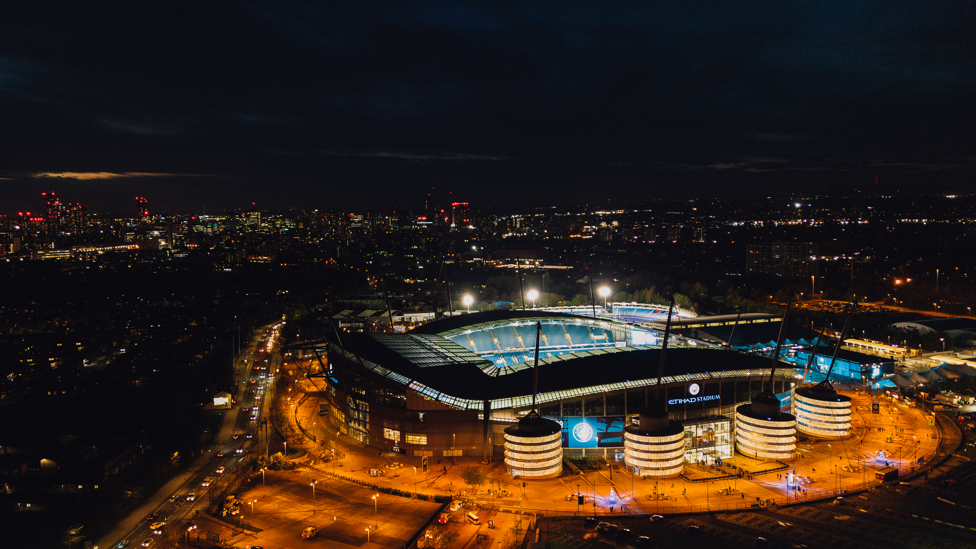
(812, 495)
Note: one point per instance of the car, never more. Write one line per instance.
(655, 518)
(624, 533)
(122, 544)
(220, 454)
(589, 522)
(643, 541)
(840, 501)
(692, 530)
(246, 410)
(249, 435)
(220, 470)
(606, 527)
(208, 481)
(310, 532)
(237, 435)
(254, 418)
(239, 451)
(173, 498)
(444, 518)
(762, 542)
(151, 516)
(191, 496)
(156, 525)
(146, 542)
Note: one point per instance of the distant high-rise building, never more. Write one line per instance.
(783, 259)
(461, 214)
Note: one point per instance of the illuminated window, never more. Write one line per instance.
(391, 434)
(413, 438)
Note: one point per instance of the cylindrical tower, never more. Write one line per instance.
(822, 413)
(762, 431)
(656, 447)
(533, 447)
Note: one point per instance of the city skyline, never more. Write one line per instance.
(354, 107)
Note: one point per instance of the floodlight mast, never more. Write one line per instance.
(518, 273)
(535, 369)
(592, 302)
(779, 344)
(825, 384)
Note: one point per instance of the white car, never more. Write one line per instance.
(220, 470)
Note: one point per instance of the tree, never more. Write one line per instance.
(474, 477)
(498, 480)
(435, 538)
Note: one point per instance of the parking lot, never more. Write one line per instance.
(341, 511)
(862, 521)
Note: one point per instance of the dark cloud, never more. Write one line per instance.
(337, 101)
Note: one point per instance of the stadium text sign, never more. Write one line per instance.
(692, 400)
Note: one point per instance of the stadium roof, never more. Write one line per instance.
(456, 376)
(466, 321)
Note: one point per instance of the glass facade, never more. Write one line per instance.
(708, 439)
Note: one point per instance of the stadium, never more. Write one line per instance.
(454, 387)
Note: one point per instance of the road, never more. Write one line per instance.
(254, 371)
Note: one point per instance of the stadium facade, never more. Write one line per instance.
(452, 387)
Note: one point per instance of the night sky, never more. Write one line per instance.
(209, 105)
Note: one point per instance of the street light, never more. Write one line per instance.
(251, 503)
(533, 295)
(453, 451)
(467, 300)
(367, 536)
(376, 522)
(942, 339)
(312, 484)
(604, 292)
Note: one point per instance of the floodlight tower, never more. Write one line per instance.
(604, 292)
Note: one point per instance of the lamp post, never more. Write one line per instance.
(367, 536)
(376, 522)
(467, 300)
(604, 292)
(533, 295)
(453, 446)
(251, 503)
(312, 484)
(263, 469)
(577, 499)
(942, 339)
